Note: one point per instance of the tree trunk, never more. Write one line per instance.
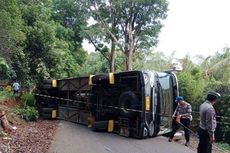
(112, 57)
(5, 123)
(129, 60)
(129, 39)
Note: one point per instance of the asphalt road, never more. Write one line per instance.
(75, 138)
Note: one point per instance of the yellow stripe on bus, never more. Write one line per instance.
(111, 78)
(54, 83)
(110, 126)
(54, 113)
(90, 79)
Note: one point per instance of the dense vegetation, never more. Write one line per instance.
(43, 39)
(38, 41)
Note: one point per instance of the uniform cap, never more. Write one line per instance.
(178, 98)
(213, 93)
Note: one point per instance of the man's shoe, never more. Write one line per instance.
(169, 140)
(187, 143)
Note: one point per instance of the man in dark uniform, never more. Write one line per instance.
(207, 123)
(182, 116)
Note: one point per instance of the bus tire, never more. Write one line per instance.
(46, 86)
(151, 129)
(47, 81)
(100, 79)
(46, 113)
(128, 100)
(100, 126)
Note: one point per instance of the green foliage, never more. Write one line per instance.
(224, 147)
(36, 42)
(94, 64)
(72, 21)
(217, 66)
(156, 61)
(27, 99)
(12, 36)
(222, 107)
(191, 87)
(211, 74)
(28, 113)
(4, 95)
(135, 29)
(4, 69)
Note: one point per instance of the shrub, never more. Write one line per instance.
(27, 99)
(28, 113)
(191, 87)
(224, 147)
(4, 95)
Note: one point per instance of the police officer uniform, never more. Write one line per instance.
(207, 123)
(184, 111)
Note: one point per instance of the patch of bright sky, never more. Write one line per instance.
(194, 27)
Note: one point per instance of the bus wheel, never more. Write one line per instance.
(47, 81)
(46, 113)
(128, 103)
(46, 84)
(151, 129)
(100, 79)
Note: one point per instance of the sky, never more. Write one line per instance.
(193, 27)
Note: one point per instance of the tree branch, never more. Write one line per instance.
(107, 28)
(98, 49)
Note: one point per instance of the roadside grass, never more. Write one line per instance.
(22, 107)
(4, 95)
(225, 147)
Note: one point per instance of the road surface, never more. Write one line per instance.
(75, 138)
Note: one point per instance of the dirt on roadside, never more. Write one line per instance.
(32, 137)
(194, 144)
(28, 137)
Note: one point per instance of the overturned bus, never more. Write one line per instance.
(134, 103)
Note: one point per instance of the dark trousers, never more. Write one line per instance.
(176, 126)
(15, 91)
(204, 145)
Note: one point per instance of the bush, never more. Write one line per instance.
(191, 87)
(27, 99)
(224, 147)
(222, 106)
(28, 113)
(4, 95)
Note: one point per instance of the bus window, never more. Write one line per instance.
(166, 83)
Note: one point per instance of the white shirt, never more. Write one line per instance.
(16, 86)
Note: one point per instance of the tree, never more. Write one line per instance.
(4, 69)
(12, 39)
(137, 23)
(68, 14)
(187, 63)
(53, 43)
(191, 87)
(217, 66)
(95, 64)
(37, 41)
(97, 35)
(157, 61)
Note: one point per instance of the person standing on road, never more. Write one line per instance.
(182, 116)
(207, 125)
(16, 87)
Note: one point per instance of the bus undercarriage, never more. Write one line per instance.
(135, 103)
